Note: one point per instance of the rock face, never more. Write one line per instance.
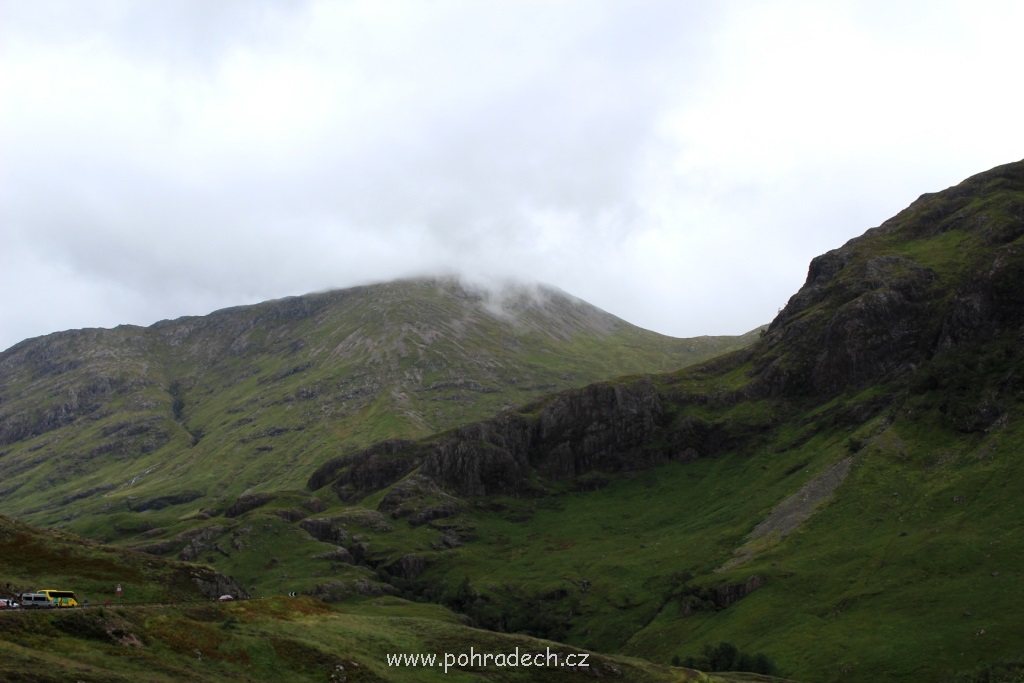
(693, 599)
(407, 566)
(326, 529)
(368, 470)
(851, 323)
(419, 499)
(197, 541)
(730, 593)
(609, 427)
(943, 273)
(247, 503)
(213, 584)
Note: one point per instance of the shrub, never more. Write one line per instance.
(727, 657)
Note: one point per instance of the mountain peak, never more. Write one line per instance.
(128, 414)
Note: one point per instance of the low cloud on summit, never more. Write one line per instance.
(675, 163)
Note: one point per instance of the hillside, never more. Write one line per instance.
(843, 495)
(32, 558)
(98, 426)
(167, 627)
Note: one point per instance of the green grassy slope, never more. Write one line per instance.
(189, 637)
(33, 559)
(112, 432)
(910, 572)
(298, 640)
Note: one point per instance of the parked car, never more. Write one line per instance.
(225, 598)
(7, 603)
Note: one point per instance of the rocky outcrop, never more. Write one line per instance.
(161, 502)
(694, 599)
(610, 426)
(420, 500)
(448, 540)
(367, 470)
(85, 397)
(290, 514)
(368, 519)
(730, 593)
(247, 503)
(326, 529)
(159, 547)
(197, 541)
(213, 584)
(945, 272)
(407, 567)
(339, 554)
(989, 303)
(850, 324)
(606, 427)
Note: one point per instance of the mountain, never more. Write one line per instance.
(842, 495)
(179, 419)
(194, 438)
(839, 500)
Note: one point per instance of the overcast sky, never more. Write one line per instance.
(675, 163)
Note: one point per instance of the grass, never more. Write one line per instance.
(910, 574)
(191, 638)
(281, 639)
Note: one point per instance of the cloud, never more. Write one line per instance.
(675, 163)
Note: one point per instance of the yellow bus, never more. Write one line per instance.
(61, 598)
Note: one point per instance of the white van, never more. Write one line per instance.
(36, 601)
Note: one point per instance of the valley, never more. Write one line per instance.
(837, 491)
